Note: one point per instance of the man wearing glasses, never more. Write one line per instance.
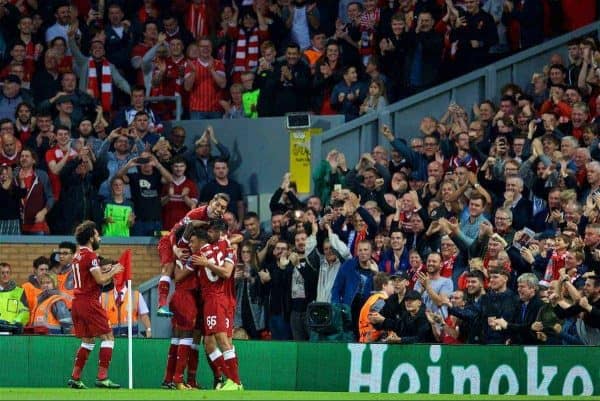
(64, 273)
(177, 141)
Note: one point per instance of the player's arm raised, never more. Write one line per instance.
(103, 278)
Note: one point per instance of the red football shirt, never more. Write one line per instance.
(85, 285)
(190, 282)
(212, 285)
(175, 209)
(205, 93)
(57, 155)
(225, 247)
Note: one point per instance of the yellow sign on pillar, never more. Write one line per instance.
(300, 158)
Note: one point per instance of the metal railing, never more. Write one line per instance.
(405, 115)
(176, 99)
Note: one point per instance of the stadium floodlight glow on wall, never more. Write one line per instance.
(297, 121)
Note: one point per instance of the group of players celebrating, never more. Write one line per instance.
(198, 256)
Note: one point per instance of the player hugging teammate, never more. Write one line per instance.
(203, 303)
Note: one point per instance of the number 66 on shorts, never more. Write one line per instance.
(215, 317)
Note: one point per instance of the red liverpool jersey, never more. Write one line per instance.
(85, 285)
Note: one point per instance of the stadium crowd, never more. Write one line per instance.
(482, 228)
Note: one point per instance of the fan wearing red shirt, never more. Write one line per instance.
(204, 79)
(58, 156)
(179, 196)
(167, 77)
(215, 267)
(137, 53)
(169, 249)
(89, 318)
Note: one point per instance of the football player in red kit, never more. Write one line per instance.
(185, 311)
(217, 232)
(215, 267)
(89, 318)
(169, 250)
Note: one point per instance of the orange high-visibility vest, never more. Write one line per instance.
(31, 293)
(43, 320)
(117, 315)
(62, 282)
(368, 333)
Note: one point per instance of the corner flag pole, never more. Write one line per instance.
(130, 333)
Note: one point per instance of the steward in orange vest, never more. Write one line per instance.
(51, 314)
(117, 309)
(66, 283)
(32, 286)
(384, 287)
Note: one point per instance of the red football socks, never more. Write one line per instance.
(106, 350)
(163, 293)
(231, 366)
(183, 352)
(80, 359)
(192, 366)
(217, 365)
(171, 360)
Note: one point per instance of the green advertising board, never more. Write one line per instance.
(274, 365)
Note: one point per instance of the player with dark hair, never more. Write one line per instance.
(169, 251)
(185, 311)
(89, 318)
(215, 262)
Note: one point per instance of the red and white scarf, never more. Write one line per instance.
(246, 51)
(195, 20)
(105, 96)
(447, 267)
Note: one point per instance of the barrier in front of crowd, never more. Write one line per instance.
(38, 361)
(176, 99)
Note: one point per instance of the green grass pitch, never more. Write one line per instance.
(150, 394)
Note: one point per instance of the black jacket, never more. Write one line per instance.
(432, 44)
(591, 319)
(520, 329)
(521, 213)
(277, 290)
(411, 329)
(266, 82)
(470, 316)
(393, 308)
(500, 305)
(492, 304)
(292, 95)
(118, 49)
(79, 199)
(480, 27)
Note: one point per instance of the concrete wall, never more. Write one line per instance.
(259, 147)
